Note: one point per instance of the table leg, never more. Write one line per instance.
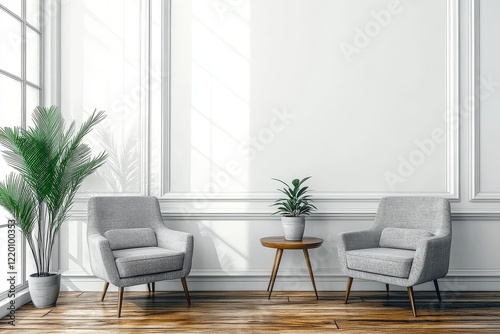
(306, 256)
(272, 271)
(279, 253)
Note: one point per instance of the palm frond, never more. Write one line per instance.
(17, 198)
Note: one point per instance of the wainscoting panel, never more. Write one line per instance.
(484, 101)
(229, 256)
(254, 96)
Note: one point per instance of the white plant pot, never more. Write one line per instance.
(44, 291)
(293, 227)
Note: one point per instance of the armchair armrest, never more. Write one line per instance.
(432, 259)
(359, 239)
(102, 260)
(356, 240)
(178, 241)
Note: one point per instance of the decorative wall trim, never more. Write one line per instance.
(475, 194)
(166, 8)
(292, 272)
(473, 106)
(146, 99)
(453, 101)
(354, 215)
(452, 131)
(271, 196)
(326, 280)
(333, 216)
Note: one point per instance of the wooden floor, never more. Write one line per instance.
(252, 312)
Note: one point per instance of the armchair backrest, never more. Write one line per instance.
(415, 212)
(122, 212)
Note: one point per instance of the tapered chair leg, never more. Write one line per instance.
(387, 288)
(348, 289)
(436, 285)
(104, 290)
(120, 300)
(153, 288)
(186, 291)
(412, 301)
(149, 287)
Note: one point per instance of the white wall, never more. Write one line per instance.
(346, 95)
(212, 132)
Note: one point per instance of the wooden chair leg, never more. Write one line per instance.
(104, 290)
(149, 287)
(348, 289)
(412, 301)
(387, 288)
(186, 291)
(153, 288)
(120, 300)
(436, 285)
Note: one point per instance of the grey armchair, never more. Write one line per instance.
(408, 244)
(129, 244)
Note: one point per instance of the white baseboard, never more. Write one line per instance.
(256, 280)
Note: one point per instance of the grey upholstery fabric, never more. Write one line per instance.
(383, 261)
(115, 213)
(405, 238)
(432, 254)
(147, 260)
(131, 238)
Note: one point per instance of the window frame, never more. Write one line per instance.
(25, 25)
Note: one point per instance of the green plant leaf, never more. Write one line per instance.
(51, 164)
(304, 180)
(298, 200)
(281, 182)
(17, 198)
(302, 191)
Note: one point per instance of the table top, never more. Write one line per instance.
(281, 243)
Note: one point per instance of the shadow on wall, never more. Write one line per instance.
(120, 173)
(213, 250)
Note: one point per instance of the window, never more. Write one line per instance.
(21, 77)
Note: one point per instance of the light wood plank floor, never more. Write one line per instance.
(252, 312)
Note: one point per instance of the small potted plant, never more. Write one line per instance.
(293, 208)
(50, 164)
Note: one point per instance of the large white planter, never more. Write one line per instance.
(44, 291)
(293, 227)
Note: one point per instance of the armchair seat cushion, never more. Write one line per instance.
(382, 261)
(147, 261)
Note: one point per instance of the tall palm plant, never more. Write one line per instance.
(50, 164)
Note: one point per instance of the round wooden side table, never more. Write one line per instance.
(281, 244)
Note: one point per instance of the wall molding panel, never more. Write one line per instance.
(473, 74)
(475, 193)
(335, 217)
(452, 134)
